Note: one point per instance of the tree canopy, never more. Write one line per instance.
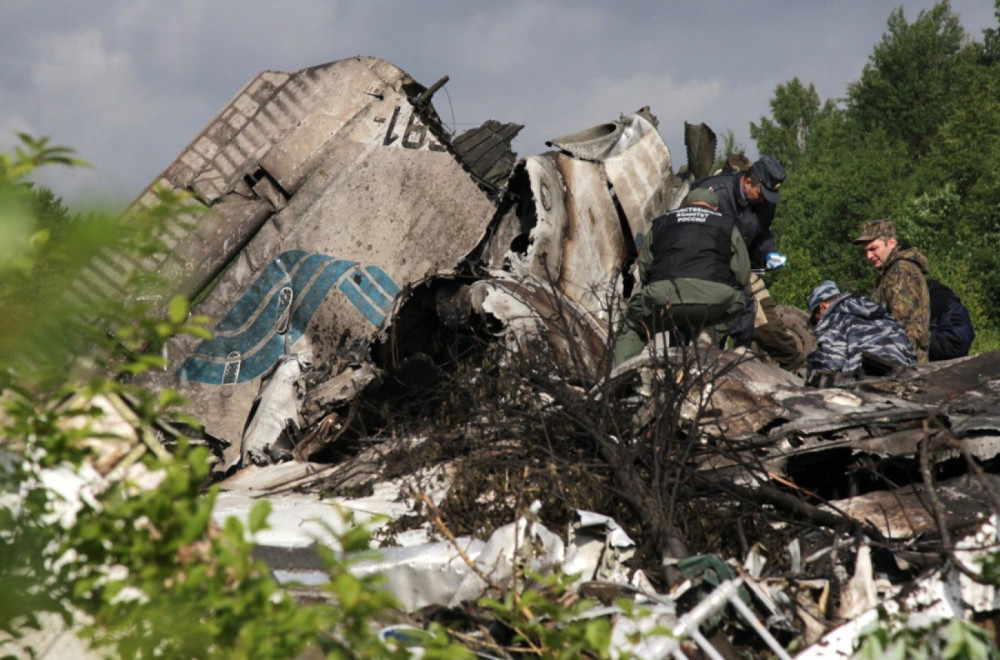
(916, 140)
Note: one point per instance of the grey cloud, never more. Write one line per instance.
(129, 83)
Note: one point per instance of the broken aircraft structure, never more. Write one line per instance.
(336, 199)
(350, 243)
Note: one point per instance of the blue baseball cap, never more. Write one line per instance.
(770, 173)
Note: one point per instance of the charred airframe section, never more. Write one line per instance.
(335, 196)
(346, 232)
(330, 190)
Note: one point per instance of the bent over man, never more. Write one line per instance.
(901, 285)
(847, 327)
(751, 196)
(693, 268)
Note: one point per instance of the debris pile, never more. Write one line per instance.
(415, 325)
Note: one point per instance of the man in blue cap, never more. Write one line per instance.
(854, 335)
(751, 197)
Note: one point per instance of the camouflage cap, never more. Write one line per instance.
(737, 163)
(823, 291)
(876, 229)
(704, 195)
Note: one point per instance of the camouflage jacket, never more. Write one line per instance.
(901, 287)
(854, 324)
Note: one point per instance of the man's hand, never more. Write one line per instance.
(775, 260)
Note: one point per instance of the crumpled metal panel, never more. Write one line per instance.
(742, 395)
(361, 198)
(823, 411)
(731, 393)
(969, 386)
(933, 599)
(576, 236)
(636, 162)
(905, 512)
(576, 242)
(594, 143)
(643, 178)
(591, 243)
(532, 309)
(275, 408)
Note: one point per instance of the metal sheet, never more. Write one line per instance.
(532, 308)
(905, 512)
(575, 238)
(576, 243)
(643, 178)
(593, 246)
(371, 201)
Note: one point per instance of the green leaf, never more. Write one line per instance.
(258, 516)
(178, 308)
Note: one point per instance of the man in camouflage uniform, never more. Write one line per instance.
(901, 286)
(853, 331)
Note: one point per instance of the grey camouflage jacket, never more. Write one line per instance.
(854, 324)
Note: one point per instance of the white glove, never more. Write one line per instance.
(775, 260)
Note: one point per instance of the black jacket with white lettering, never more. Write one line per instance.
(754, 220)
(694, 242)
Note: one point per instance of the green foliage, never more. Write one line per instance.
(948, 639)
(991, 39)
(907, 88)
(795, 110)
(919, 143)
(32, 154)
(824, 203)
(990, 569)
(173, 583)
(544, 627)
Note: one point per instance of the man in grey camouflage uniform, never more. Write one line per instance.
(853, 331)
(901, 285)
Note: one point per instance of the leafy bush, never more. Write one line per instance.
(106, 530)
(950, 639)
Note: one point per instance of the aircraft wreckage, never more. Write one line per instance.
(394, 306)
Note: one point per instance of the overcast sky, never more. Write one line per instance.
(129, 83)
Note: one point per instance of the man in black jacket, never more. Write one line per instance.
(751, 197)
(952, 333)
(693, 268)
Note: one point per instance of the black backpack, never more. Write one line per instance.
(951, 324)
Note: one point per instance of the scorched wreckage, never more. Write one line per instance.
(408, 321)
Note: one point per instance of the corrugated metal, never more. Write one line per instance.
(486, 151)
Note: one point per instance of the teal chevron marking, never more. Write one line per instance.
(257, 325)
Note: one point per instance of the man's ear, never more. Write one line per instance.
(891, 242)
